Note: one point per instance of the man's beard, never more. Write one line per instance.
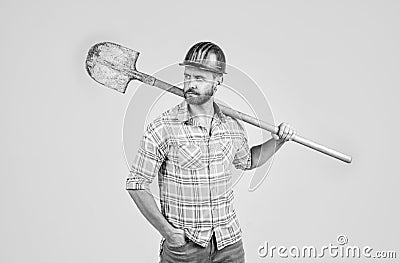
(198, 99)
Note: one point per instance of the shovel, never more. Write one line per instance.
(114, 66)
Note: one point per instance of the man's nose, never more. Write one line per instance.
(190, 84)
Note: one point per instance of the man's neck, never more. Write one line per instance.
(203, 111)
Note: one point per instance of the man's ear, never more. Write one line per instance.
(219, 79)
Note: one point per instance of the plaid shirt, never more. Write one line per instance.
(194, 172)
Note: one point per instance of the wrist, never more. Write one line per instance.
(279, 143)
(168, 231)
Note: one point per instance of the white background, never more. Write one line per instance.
(330, 68)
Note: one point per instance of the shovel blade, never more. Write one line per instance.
(112, 65)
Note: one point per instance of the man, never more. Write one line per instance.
(191, 148)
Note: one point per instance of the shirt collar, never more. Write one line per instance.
(181, 112)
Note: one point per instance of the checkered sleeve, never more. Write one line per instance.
(148, 160)
(242, 159)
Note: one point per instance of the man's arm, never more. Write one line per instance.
(148, 207)
(260, 154)
(145, 167)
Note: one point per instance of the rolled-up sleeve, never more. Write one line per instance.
(242, 158)
(147, 162)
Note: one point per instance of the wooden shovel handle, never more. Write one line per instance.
(246, 118)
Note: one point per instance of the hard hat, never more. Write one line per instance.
(207, 56)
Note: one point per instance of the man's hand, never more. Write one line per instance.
(176, 238)
(285, 133)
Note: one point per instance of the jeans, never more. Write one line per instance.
(194, 253)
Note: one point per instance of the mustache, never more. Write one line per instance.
(192, 91)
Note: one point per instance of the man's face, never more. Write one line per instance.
(198, 85)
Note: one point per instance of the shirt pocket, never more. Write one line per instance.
(226, 151)
(188, 156)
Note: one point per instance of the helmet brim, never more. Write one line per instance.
(202, 66)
